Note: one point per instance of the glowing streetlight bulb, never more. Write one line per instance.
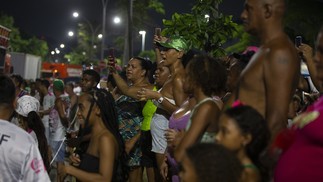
(116, 20)
(100, 36)
(75, 14)
(62, 46)
(71, 33)
(52, 52)
(143, 34)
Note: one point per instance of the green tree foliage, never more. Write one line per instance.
(141, 9)
(242, 40)
(208, 34)
(36, 46)
(141, 19)
(88, 45)
(30, 45)
(148, 54)
(75, 57)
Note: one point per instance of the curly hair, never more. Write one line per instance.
(213, 162)
(105, 102)
(251, 122)
(208, 73)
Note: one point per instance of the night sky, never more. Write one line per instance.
(53, 19)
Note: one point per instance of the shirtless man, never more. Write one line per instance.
(270, 79)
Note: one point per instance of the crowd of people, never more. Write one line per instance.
(248, 117)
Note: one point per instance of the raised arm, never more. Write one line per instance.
(307, 53)
(281, 74)
(150, 94)
(124, 88)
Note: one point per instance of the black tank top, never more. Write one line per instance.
(90, 163)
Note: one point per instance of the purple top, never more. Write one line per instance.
(177, 124)
(303, 160)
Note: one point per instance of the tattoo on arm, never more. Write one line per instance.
(283, 61)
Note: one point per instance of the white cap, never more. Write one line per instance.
(26, 104)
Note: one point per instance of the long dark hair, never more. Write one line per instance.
(105, 102)
(35, 123)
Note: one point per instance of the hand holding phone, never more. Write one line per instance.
(111, 58)
(158, 32)
(298, 41)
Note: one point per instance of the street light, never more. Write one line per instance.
(57, 51)
(75, 14)
(62, 46)
(93, 32)
(143, 34)
(116, 20)
(71, 33)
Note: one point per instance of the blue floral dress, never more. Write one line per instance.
(130, 118)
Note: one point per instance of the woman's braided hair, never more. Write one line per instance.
(106, 104)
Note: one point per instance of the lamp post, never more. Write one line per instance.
(92, 34)
(143, 38)
(104, 14)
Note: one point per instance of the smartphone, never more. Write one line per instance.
(111, 57)
(298, 41)
(158, 32)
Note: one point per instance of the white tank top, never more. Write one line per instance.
(57, 130)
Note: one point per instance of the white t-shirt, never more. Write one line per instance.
(20, 159)
(48, 102)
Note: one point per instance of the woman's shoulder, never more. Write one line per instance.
(208, 103)
(108, 142)
(250, 174)
(106, 136)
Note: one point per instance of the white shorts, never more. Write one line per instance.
(158, 126)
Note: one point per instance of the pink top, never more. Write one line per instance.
(303, 160)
